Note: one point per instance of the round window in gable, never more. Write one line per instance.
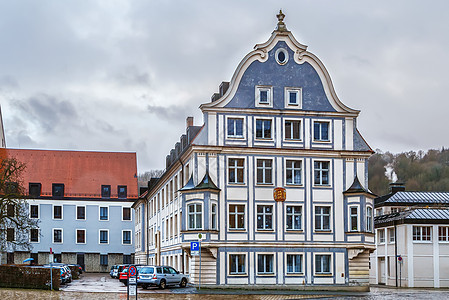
(281, 56)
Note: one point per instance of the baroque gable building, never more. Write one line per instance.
(273, 181)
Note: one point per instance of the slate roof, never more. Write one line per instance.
(417, 216)
(81, 172)
(205, 184)
(357, 187)
(413, 198)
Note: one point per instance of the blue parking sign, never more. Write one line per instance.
(194, 246)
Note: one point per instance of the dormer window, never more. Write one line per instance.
(58, 190)
(105, 191)
(293, 97)
(264, 96)
(122, 191)
(34, 189)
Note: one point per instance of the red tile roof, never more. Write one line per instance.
(81, 172)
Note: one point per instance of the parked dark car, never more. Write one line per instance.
(80, 269)
(114, 271)
(161, 276)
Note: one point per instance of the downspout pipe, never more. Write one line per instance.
(396, 252)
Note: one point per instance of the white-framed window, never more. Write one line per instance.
(294, 263)
(57, 236)
(264, 171)
(391, 235)
(34, 211)
(353, 218)
(103, 237)
(264, 96)
(381, 236)
(104, 213)
(57, 212)
(126, 214)
(321, 131)
(237, 264)
(81, 212)
(294, 217)
(281, 56)
(235, 127)
(80, 236)
(126, 237)
(443, 233)
(265, 264)
(34, 235)
(422, 233)
(293, 172)
(322, 218)
(264, 217)
(264, 129)
(292, 130)
(195, 216)
(293, 97)
(236, 170)
(214, 216)
(323, 264)
(236, 216)
(369, 219)
(321, 171)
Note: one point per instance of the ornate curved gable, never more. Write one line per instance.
(301, 69)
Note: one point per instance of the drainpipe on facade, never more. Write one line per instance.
(146, 233)
(396, 252)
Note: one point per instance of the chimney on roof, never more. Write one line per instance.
(397, 187)
(215, 97)
(189, 122)
(223, 88)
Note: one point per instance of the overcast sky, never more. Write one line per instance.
(124, 75)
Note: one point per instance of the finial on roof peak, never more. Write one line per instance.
(281, 25)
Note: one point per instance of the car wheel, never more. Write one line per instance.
(162, 284)
(183, 283)
(145, 286)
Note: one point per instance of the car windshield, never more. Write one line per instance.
(147, 270)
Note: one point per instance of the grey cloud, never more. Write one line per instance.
(173, 112)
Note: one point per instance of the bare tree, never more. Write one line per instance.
(146, 176)
(15, 223)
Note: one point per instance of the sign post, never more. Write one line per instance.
(132, 281)
(50, 258)
(400, 270)
(200, 238)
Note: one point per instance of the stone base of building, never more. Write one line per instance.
(324, 288)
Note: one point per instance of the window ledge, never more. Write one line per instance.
(264, 230)
(323, 274)
(237, 229)
(294, 274)
(294, 185)
(238, 275)
(322, 231)
(294, 231)
(266, 274)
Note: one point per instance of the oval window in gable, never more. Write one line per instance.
(281, 56)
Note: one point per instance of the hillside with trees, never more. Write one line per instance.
(420, 171)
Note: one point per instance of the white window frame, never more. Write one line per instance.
(421, 234)
(38, 235)
(236, 137)
(195, 213)
(99, 236)
(298, 92)
(291, 140)
(244, 217)
(320, 184)
(245, 273)
(301, 254)
(273, 215)
(244, 170)
(53, 236)
(130, 235)
(301, 170)
(264, 168)
(329, 140)
(130, 214)
(76, 213)
(331, 261)
(273, 273)
(293, 215)
(369, 219)
(445, 236)
(315, 229)
(260, 88)
(99, 213)
(212, 217)
(351, 216)
(390, 233)
(53, 212)
(272, 129)
(76, 236)
(381, 236)
(38, 211)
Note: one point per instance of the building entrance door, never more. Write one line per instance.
(80, 261)
(382, 270)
